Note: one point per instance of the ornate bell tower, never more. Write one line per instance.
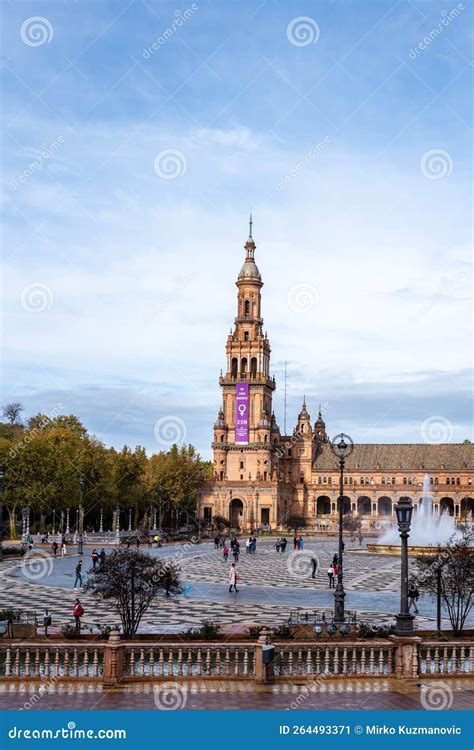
(242, 434)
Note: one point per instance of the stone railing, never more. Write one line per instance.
(309, 659)
(116, 661)
(453, 658)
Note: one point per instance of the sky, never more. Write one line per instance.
(137, 135)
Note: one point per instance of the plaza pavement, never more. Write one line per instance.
(272, 584)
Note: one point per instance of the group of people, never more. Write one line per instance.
(251, 545)
(333, 571)
(280, 544)
(234, 550)
(97, 558)
(298, 543)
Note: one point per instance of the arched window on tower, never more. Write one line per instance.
(243, 366)
(253, 367)
(247, 308)
(234, 366)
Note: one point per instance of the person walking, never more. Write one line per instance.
(331, 577)
(301, 543)
(78, 611)
(361, 538)
(295, 541)
(248, 545)
(283, 544)
(314, 566)
(233, 578)
(236, 551)
(54, 547)
(102, 556)
(94, 558)
(298, 543)
(413, 596)
(225, 552)
(78, 574)
(253, 546)
(63, 548)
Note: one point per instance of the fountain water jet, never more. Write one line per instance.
(427, 529)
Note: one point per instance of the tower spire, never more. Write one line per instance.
(250, 225)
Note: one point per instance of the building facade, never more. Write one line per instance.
(263, 478)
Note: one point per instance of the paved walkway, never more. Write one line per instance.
(333, 693)
(271, 585)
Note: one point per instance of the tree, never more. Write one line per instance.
(221, 523)
(296, 522)
(453, 571)
(12, 412)
(351, 524)
(130, 580)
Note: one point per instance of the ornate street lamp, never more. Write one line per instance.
(2, 476)
(342, 446)
(404, 620)
(80, 537)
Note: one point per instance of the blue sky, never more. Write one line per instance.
(129, 171)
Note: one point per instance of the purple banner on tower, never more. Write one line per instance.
(242, 413)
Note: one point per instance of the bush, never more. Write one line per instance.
(284, 632)
(209, 631)
(69, 631)
(364, 630)
(254, 630)
(13, 551)
(13, 615)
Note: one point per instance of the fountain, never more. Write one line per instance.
(428, 533)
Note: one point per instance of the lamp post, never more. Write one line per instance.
(404, 620)
(80, 538)
(342, 446)
(2, 476)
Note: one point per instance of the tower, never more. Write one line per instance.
(242, 433)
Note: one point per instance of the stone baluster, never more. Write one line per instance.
(326, 662)
(85, 663)
(236, 662)
(74, 663)
(354, 660)
(318, 661)
(208, 661)
(189, 666)
(151, 662)
(37, 663)
(309, 663)
(180, 662)
(471, 659)
(362, 661)
(344, 661)
(199, 663)
(27, 662)
(161, 663)
(218, 663)
(170, 662)
(246, 662)
(56, 663)
(290, 661)
(16, 670)
(8, 663)
(46, 663)
(299, 667)
(132, 662)
(445, 660)
(463, 660)
(227, 663)
(371, 661)
(336, 660)
(381, 660)
(66, 662)
(454, 655)
(141, 666)
(390, 661)
(436, 660)
(95, 664)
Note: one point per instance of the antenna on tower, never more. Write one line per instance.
(284, 401)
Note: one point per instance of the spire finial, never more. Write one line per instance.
(250, 225)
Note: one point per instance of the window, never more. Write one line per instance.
(447, 481)
(222, 438)
(393, 480)
(345, 480)
(301, 478)
(436, 481)
(330, 480)
(458, 481)
(222, 475)
(350, 480)
(243, 365)
(241, 464)
(241, 476)
(431, 480)
(265, 439)
(247, 308)
(383, 480)
(325, 480)
(265, 474)
(409, 480)
(234, 365)
(319, 480)
(289, 451)
(246, 335)
(404, 480)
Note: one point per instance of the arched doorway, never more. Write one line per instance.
(346, 505)
(467, 507)
(384, 506)
(446, 505)
(364, 506)
(236, 513)
(323, 506)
